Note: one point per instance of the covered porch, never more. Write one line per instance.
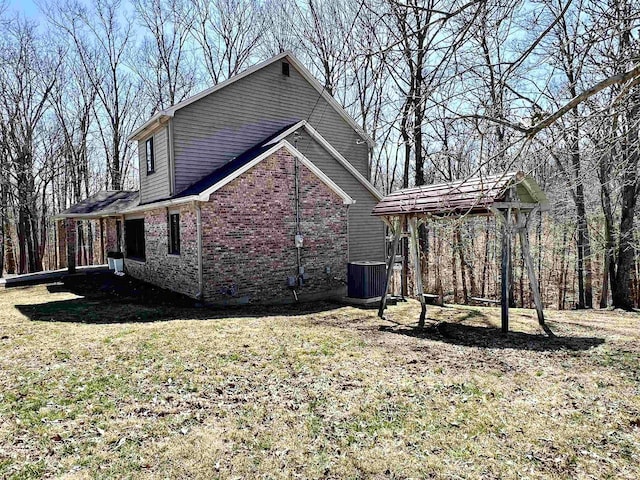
(99, 214)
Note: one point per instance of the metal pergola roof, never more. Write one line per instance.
(471, 196)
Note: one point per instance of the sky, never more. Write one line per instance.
(26, 7)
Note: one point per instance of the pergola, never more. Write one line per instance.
(512, 197)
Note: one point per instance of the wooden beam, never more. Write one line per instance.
(405, 260)
(415, 250)
(395, 227)
(523, 231)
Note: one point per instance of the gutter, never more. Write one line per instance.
(157, 120)
(84, 216)
(139, 208)
(164, 203)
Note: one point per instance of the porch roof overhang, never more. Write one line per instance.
(107, 203)
(481, 195)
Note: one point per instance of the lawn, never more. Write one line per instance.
(98, 386)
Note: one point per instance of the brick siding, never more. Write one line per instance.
(249, 230)
(111, 235)
(174, 272)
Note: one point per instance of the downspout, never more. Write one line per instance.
(298, 236)
(200, 294)
(348, 236)
(296, 168)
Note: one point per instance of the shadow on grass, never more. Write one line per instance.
(83, 310)
(107, 298)
(491, 337)
(104, 311)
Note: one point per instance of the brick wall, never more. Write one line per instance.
(111, 235)
(71, 230)
(174, 272)
(62, 243)
(249, 230)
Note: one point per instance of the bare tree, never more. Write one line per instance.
(572, 46)
(26, 82)
(102, 38)
(278, 36)
(228, 33)
(165, 63)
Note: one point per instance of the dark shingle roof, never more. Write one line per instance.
(104, 203)
(231, 166)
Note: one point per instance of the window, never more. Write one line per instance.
(151, 161)
(134, 238)
(285, 69)
(174, 234)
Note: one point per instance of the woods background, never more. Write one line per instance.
(447, 89)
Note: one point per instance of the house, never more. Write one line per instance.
(255, 190)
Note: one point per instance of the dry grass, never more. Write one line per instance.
(337, 393)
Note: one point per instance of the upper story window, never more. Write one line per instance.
(151, 161)
(285, 69)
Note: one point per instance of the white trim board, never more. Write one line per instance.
(293, 61)
(85, 216)
(346, 199)
(160, 204)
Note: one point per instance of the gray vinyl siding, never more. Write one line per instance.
(366, 232)
(213, 130)
(154, 186)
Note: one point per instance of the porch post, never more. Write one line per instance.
(102, 242)
(71, 235)
(61, 246)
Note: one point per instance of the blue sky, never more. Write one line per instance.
(26, 7)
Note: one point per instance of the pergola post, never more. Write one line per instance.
(395, 228)
(506, 270)
(415, 251)
(523, 231)
(404, 277)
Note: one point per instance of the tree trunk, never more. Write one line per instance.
(485, 261)
(622, 292)
(463, 273)
(454, 272)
